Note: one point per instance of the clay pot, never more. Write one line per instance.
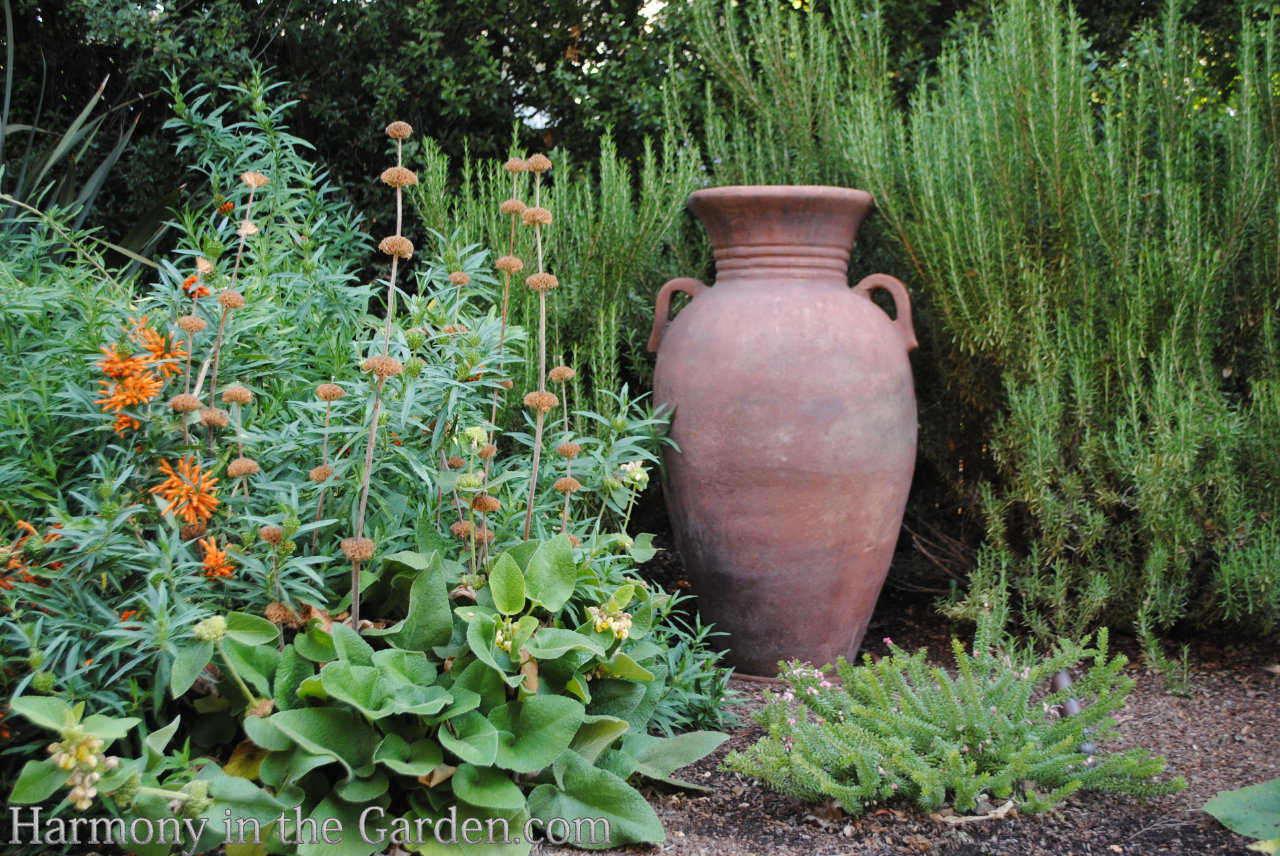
(795, 418)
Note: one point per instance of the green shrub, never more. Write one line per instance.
(241, 437)
(1093, 250)
(899, 729)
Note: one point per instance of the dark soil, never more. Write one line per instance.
(1224, 734)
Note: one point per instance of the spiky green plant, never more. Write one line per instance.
(901, 729)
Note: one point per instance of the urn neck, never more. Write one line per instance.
(781, 232)
(782, 261)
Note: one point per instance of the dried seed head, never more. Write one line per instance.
(242, 466)
(383, 366)
(254, 179)
(398, 176)
(569, 450)
(271, 534)
(204, 266)
(247, 229)
(320, 473)
(510, 264)
(330, 392)
(237, 395)
(487, 451)
(567, 484)
(574, 540)
(399, 130)
(184, 403)
(515, 166)
(541, 400)
(507, 384)
(192, 323)
(278, 614)
(455, 463)
(396, 245)
(453, 329)
(357, 549)
(536, 217)
(214, 417)
(538, 163)
(560, 374)
(229, 299)
(541, 281)
(484, 503)
(482, 536)
(462, 529)
(459, 278)
(192, 530)
(512, 206)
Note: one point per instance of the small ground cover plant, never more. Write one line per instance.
(270, 513)
(900, 729)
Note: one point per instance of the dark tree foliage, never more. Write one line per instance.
(474, 75)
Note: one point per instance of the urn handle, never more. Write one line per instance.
(662, 307)
(898, 291)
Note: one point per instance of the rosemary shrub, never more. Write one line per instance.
(1091, 244)
(899, 728)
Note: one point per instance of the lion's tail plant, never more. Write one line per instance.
(540, 401)
(328, 393)
(381, 366)
(510, 263)
(212, 416)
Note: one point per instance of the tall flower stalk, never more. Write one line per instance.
(510, 263)
(381, 366)
(540, 401)
(328, 393)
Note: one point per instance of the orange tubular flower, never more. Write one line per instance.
(216, 563)
(129, 391)
(117, 365)
(190, 493)
(193, 287)
(165, 351)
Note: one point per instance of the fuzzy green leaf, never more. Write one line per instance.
(587, 793)
(251, 629)
(533, 732)
(1253, 811)
(187, 666)
(552, 574)
(507, 585)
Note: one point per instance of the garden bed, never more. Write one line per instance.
(1219, 737)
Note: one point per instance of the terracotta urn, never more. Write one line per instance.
(794, 418)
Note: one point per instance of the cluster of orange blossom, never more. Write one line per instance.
(136, 378)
